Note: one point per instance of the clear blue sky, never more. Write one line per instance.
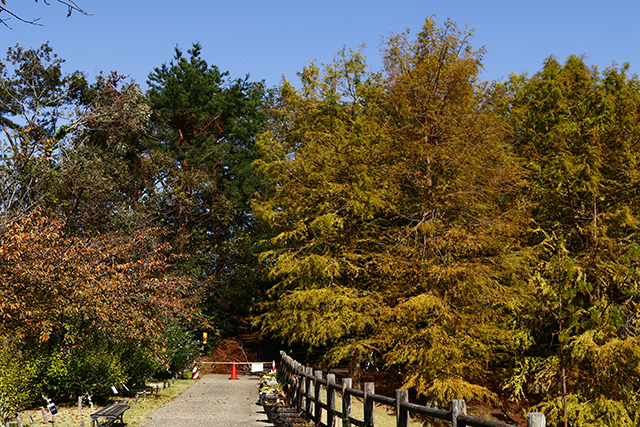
(269, 39)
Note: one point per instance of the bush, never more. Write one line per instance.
(17, 385)
(64, 374)
(181, 348)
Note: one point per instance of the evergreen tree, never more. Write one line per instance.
(203, 137)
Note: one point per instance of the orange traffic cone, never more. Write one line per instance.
(234, 373)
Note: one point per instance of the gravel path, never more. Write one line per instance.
(215, 400)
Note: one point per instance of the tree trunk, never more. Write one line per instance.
(355, 372)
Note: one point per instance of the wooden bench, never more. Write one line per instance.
(111, 413)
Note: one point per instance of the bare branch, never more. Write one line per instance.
(32, 22)
(71, 6)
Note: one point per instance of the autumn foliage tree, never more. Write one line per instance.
(326, 161)
(391, 196)
(576, 131)
(69, 294)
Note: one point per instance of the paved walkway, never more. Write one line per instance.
(215, 400)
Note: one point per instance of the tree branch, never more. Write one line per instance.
(71, 6)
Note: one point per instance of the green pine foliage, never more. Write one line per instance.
(202, 143)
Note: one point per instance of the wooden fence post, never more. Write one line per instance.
(44, 415)
(299, 385)
(402, 415)
(289, 385)
(295, 391)
(317, 398)
(369, 388)
(308, 394)
(331, 399)
(346, 401)
(536, 419)
(285, 367)
(458, 407)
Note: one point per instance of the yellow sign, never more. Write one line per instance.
(204, 338)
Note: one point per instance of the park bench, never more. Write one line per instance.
(111, 413)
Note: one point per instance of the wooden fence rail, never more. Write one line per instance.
(305, 391)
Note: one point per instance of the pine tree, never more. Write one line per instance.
(204, 128)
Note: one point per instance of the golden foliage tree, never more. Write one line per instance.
(391, 197)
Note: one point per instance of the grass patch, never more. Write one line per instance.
(384, 415)
(68, 416)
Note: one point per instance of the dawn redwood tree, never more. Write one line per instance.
(391, 196)
(202, 141)
(325, 157)
(576, 131)
(457, 260)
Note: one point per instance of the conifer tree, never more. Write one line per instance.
(325, 159)
(576, 131)
(391, 197)
(203, 132)
(453, 274)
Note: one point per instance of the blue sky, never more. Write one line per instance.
(269, 39)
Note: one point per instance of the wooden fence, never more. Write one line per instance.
(305, 391)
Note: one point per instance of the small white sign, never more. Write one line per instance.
(115, 390)
(52, 408)
(257, 367)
